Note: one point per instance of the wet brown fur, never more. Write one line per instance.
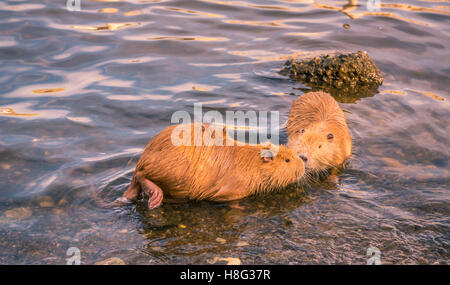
(318, 115)
(217, 173)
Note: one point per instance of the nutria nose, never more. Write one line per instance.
(304, 158)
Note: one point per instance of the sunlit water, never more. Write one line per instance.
(83, 92)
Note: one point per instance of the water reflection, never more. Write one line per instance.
(11, 112)
(108, 10)
(107, 26)
(48, 90)
(194, 12)
(187, 39)
(350, 8)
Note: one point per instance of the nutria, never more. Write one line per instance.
(318, 132)
(210, 172)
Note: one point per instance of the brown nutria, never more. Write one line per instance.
(318, 132)
(210, 172)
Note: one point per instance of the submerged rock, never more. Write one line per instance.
(342, 75)
(228, 260)
(111, 261)
(242, 243)
(18, 213)
(46, 202)
(221, 240)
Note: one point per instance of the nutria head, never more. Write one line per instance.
(320, 146)
(280, 168)
(318, 132)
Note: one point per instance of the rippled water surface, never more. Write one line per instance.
(83, 92)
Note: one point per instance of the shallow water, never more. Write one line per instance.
(83, 92)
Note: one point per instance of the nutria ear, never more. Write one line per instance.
(267, 158)
(267, 155)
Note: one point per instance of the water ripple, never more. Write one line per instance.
(84, 91)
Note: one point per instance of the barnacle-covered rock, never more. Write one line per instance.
(346, 76)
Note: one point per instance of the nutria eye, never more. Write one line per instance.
(287, 160)
(303, 130)
(320, 146)
(330, 136)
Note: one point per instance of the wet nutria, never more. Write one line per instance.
(210, 172)
(318, 132)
